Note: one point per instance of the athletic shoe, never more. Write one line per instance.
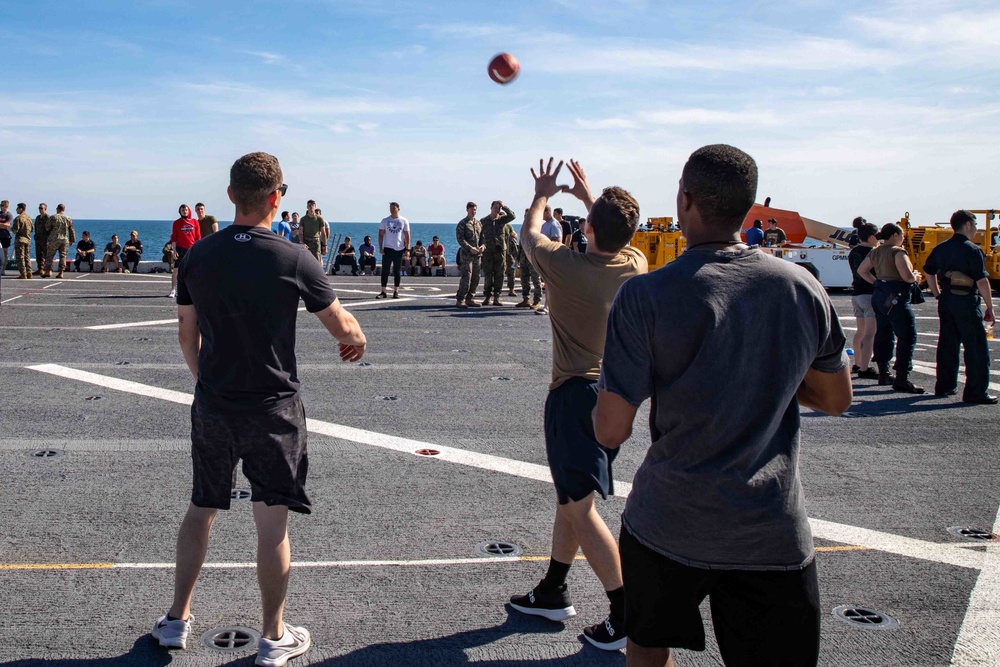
(982, 400)
(523, 304)
(607, 636)
(868, 374)
(855, 369)
(554, 605)
(172, 634)
(381, 295)
(173, 294)
(276, 652)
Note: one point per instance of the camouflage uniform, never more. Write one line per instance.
(508, 234)
(41, 241)
(469, 236)
(495, 257)
(61, 234)
(21, 229)
(529, 276)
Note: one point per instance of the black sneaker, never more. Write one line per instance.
(868, 374)
(607, 636)
(554, 605)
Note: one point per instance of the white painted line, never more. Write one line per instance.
(11, 299)
(905, 546)
(127, 325)
(978, 640)
(410, 296)
(154, 323)
(931, 335)
(931, 370)
(51, 285)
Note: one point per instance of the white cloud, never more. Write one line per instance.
(267, 57)
(607, 124)
(240, 100)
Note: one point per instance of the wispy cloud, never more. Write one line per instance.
(267, 57)
(241, 100)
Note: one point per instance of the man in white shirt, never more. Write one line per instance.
(393, 239)
(551, 229)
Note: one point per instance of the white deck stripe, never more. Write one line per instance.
(931, 370)
(154, 323)
(978, 640)
(12, 299)
(436, 562)
(904, 546)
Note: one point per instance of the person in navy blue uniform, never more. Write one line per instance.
(956, 275)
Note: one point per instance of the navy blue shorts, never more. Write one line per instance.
(579, 464)
(271, 445)
(760, 617)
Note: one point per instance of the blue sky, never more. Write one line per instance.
(126, 109)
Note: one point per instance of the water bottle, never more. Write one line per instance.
(989, 329)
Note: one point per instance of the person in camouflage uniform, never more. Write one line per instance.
(470, 249)
(61, 234)
(529, 279)
(21, 229)
(41, 238)
(495, 256)
(511, 236)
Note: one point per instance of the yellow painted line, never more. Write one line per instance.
(58, 566)
(843, 548)
(535, 559)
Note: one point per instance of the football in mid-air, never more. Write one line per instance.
(504, 68)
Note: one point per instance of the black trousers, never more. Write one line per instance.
(395, 258)
(86, 259)
(962, 324)
(368, 261)
(350, 261)
(894, 322)
(132, 261)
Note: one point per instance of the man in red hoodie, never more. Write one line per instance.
(185, 233)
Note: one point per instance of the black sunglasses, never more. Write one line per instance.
(283, 189)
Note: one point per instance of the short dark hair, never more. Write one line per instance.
(199, 204)
(285, 214)
(888, 229)
(22, 206)
(86, 233)
(857, 222)
(60, 208)
(614, 218)
(311, 201)
(961, 218)
(396, 204)
(772, 221)
(722, 182)
(180, 209)
(368, 238)
(758, 224)
(252, 179)
(346, 239)
(867, 230)
(495, 202)
(472, 204)
(557, 210)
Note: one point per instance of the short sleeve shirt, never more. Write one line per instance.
(855, 258)
(719, 487)
(206, 225)
(84, 245)
(245, 284)
(775, 236)
(312, 226)
(552, 230)
(580, 289)
(394, 228)
(956, 254)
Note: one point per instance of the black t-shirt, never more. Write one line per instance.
(344, 248)
(854, 258)
(775, 236)
(956, 254)
(112, 248)
(580, 240)
(567, 228)
(245, 283)
(138, 246)
(84, 245)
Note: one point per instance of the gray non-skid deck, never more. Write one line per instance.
(388, 572)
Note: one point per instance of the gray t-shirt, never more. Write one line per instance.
(721, 340)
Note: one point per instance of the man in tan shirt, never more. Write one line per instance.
(580, 291)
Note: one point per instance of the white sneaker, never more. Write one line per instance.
(173, 294)
(276, 652)
(172, 634)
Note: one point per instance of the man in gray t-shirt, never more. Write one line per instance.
(716, 507)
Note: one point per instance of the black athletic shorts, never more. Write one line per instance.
(760, 617)
(180, 254)
(579, 464)
(5, 239)
(271, 445)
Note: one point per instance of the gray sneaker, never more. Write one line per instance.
(172, 634)
(276, 652)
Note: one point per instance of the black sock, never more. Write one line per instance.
(617, 598)
(171, 618)
(556, 576)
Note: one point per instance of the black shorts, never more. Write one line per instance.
(579, 464)
(180, 254)
(273, 449)
(760, 617)
(5, 239)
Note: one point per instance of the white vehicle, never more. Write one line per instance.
(828, 264)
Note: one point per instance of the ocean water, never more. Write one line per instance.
(155, 233)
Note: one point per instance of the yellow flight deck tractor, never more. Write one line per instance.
(660, 241)
(919, 241)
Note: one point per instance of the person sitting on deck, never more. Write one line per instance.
(85, 252)
(111, 252)
(367, 255)
(435, 253)
(418, 259)
(133, 252)
(345, 256)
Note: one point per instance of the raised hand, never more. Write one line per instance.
(545, 179)
(580, 189)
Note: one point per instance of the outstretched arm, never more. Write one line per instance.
(545, 187)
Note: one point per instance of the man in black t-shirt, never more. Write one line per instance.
(85, 252)
(345, 257)
(775, 235)
(957, 276)
(238, 293)
(133, 252)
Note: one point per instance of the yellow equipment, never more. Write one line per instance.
(661, 242)
(919, 241)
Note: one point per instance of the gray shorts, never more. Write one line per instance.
(271, 445)
(862, 305)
